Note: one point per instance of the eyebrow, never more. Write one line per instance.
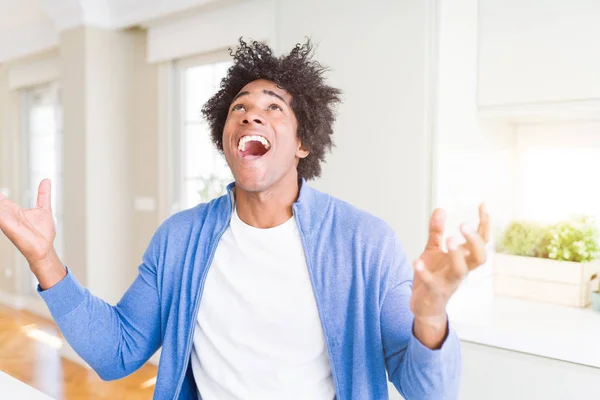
(269, 92)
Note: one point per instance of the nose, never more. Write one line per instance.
(253, 117)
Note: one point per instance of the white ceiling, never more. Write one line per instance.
(14, 14)
(30, 26)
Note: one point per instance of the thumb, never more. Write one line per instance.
(424, 274)
(43, 197)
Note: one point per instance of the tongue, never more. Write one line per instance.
(254, 149)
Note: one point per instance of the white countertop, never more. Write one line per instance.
(553, 331)
(13, 389)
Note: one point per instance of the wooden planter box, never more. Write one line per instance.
(560, 282)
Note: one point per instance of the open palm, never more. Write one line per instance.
(439, 273)
(32, 231)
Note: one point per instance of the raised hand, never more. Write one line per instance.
(439, 273)
(32, 231)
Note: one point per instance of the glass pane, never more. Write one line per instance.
(42, 120)
(43, 138)
(202, 190)
(191, 193)
(198, 150)
(198, 89)
(220, 168)
(543, 182)
(204, 173)
(59, 153)
(219, 71)
(201, 82)
(43, 153)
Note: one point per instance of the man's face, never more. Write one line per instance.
(259, 138)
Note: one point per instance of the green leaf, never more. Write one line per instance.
(576, 239)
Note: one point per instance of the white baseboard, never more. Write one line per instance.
(11, 300)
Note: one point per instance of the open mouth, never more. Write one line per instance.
(253, 147)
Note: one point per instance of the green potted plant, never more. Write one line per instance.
(575, 240)
(555, 263)
(522, 238)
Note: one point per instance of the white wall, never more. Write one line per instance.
(207, 31)
(97, 81)
(474, 160)
(539, 51)
(522, 55)
(477, 160)
(109, 61)
(379, 53)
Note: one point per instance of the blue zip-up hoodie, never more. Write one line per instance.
(361, 279)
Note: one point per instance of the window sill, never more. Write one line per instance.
(547, 330)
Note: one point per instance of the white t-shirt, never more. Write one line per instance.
(259, 335)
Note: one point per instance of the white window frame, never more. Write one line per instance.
(171, 127)
(29, 193)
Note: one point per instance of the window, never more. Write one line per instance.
(557, 164)
(201, 172)
(42, 143)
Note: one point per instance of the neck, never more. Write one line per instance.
(269, 208)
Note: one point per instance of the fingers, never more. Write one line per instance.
(423, 273)
(436, 229)
(475, 245)
(484, 223)
(453, 272)
(458, 259)
(44, 195)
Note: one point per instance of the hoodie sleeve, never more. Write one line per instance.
(114, 340)
(415, 370)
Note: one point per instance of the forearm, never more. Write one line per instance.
(431, 331)
(113, 340)
(87, 323)
(49, 271)
(430, 374)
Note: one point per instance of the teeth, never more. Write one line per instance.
(255, 138)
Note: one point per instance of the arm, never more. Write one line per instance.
(422, 352)
(114, 340)
(417, 371)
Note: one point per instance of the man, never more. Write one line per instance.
(275, 290)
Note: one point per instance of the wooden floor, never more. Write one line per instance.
(37, 362)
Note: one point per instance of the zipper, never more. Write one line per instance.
(312, 282)
(188, 349)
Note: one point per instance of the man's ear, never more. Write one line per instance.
(301, 151)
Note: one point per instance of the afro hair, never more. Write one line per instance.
(312, 100)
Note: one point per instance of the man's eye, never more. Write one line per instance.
(237, 107)
(275, 107)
